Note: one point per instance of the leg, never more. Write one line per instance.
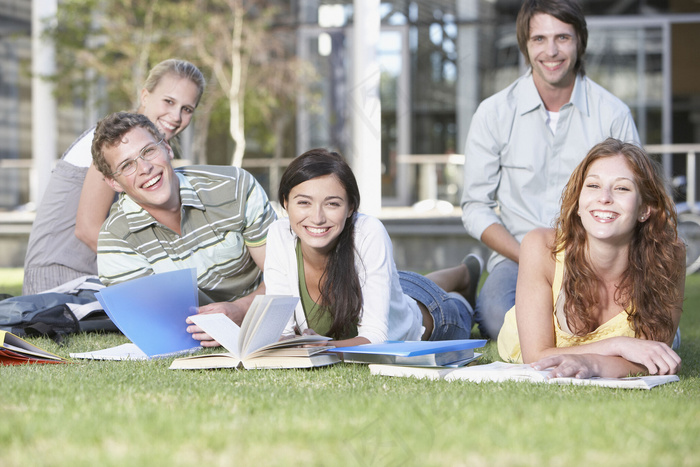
(462, 279)
(451, 314)
(496, 297)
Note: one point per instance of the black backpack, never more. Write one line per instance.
(56, 314)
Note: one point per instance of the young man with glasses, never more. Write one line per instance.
(214, 219)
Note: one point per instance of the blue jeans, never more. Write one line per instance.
(496, 297)
(452, 318)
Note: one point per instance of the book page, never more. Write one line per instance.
(128, 351)
(638, 382)
(252, 315)
(432, 373)
(17, 344)
(269, 326)
(221, 329)
(292, 342)
(498, 371)
(121, 352)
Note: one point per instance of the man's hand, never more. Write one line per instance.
(232, 310)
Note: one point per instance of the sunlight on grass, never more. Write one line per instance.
(11, 281)
(130, 413)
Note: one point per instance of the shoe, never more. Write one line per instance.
(475, 265)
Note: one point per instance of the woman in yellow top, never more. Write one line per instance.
(602, 293)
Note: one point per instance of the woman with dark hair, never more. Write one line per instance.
(601, 294)
(340, 263)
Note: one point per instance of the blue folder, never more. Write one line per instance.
(412, 348)
(151, 311)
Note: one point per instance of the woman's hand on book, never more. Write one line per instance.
(569, 366)
(657, 357)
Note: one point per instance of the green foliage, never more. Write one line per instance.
(141, 413)
(105, 48)
(11, 281)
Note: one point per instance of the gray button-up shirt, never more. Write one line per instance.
(516, 168)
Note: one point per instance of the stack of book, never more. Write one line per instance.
(16, 351)
(450, 353)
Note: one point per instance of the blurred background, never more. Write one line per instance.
(286, 70)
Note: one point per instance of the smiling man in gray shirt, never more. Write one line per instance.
(525, 141)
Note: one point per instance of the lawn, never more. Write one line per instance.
(141, 413)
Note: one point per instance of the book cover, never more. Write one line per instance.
(16, 351)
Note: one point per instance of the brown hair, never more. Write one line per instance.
(566, 11)
(648, 288)
(111, 130)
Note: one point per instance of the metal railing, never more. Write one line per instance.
(428, 167)
(428, 164)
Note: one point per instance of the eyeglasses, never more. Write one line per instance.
(148, 153)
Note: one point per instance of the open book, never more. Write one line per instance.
(256, 343)
(499, 371)
(450, 353)
(16, 351)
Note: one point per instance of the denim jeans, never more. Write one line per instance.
(496, 297)
(452, 317)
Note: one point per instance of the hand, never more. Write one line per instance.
(311, 332)
(234, 312)
(657, 357)
(569, 366)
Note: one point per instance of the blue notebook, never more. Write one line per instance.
(416, 353)
(151, 311)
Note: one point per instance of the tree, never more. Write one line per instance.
(111, 44)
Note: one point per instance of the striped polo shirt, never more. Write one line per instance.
(224, 211)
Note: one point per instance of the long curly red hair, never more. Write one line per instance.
(648, 288)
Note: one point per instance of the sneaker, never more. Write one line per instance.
(475, 265)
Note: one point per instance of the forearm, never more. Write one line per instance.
(245, 302)
(613, 357)
(349, 342)
(605, 347)
(95, 200)
(588, 366)
(501, 241)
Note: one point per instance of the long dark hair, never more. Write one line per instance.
(648, 289)
(340, 287)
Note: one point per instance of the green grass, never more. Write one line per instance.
(11, 281)
(141, 413)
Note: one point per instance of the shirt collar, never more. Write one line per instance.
(530, 99)
(140, 218)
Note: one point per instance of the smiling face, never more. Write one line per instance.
(551, 47)
(318, 209)
(610, 204)
(171, 104)
(154, 185)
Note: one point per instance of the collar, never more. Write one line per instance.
(138, 218)
(530, 99)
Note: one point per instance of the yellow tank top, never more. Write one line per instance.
(509, 343)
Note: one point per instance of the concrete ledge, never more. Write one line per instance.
(423, 242)
(426, 244)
